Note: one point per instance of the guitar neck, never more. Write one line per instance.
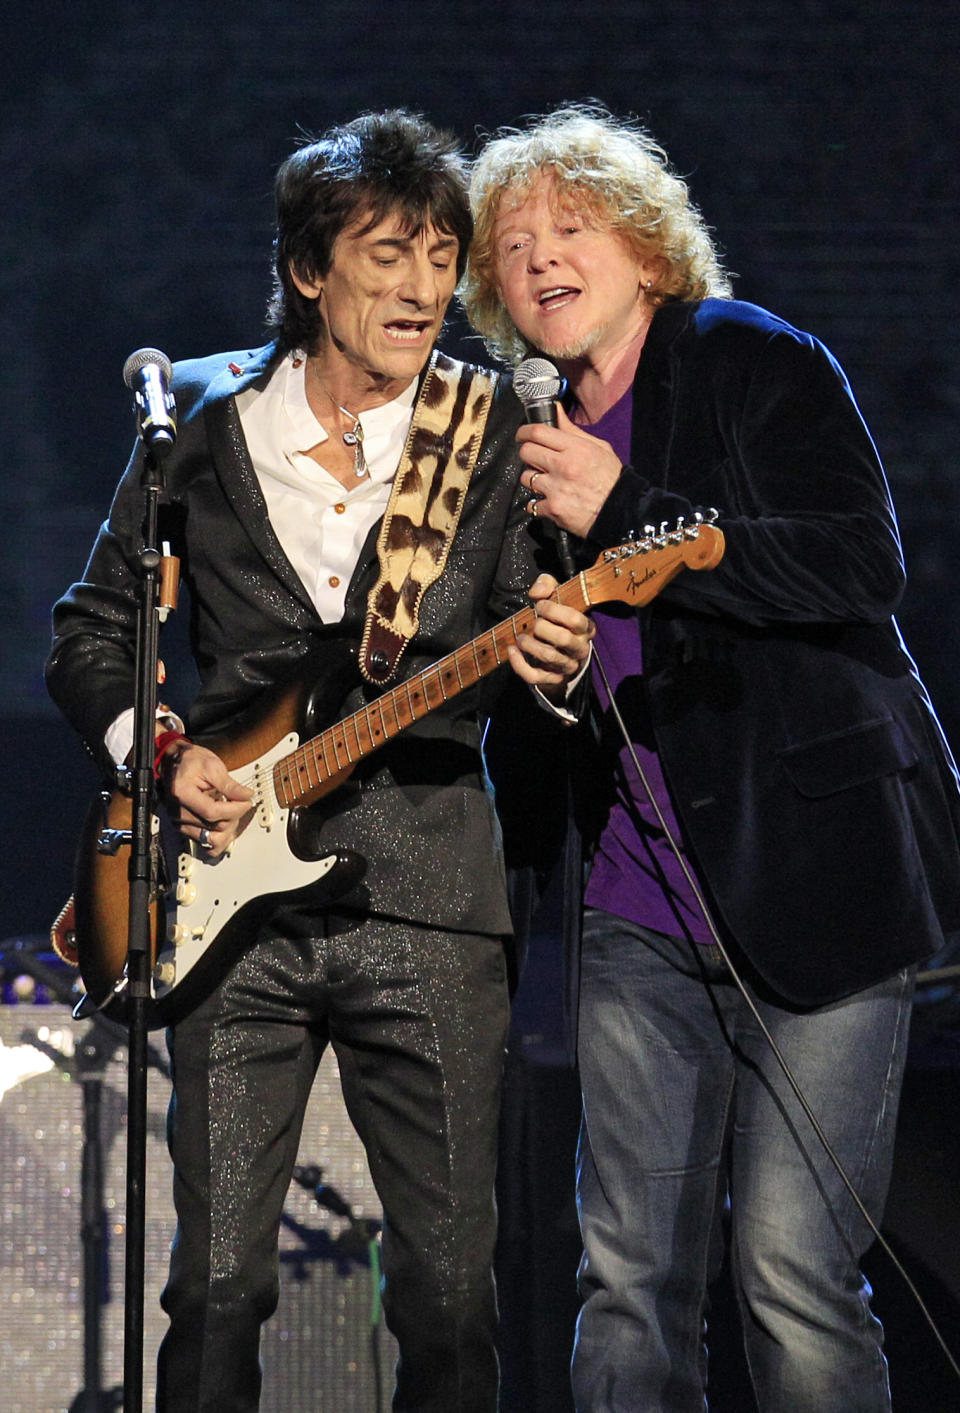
(302, 774)
(633, 573)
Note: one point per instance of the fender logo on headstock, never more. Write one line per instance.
(636, 581)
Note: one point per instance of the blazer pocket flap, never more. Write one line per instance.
(847, 758)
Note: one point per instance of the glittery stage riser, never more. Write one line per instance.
(317, 1349)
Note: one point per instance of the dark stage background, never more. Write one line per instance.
(138, 148)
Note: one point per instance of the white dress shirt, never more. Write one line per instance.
(320, 526)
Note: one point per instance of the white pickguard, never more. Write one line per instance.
(210, 893)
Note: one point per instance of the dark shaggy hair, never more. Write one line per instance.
(375, 165)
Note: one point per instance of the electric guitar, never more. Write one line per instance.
(201, 907)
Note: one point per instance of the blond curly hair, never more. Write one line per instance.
(614, 173)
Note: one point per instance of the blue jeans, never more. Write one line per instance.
(685, 1110)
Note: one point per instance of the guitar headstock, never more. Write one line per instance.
(636, 571)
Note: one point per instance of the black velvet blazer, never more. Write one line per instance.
(419, 810)
(813, 787)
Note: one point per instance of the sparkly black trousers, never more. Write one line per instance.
(417, 1018)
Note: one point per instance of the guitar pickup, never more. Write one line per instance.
(263, 799)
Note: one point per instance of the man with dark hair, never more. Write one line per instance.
(363, 173)
(344, 493)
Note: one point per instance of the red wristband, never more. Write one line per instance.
(163, 742)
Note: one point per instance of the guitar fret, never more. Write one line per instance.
(319, 764)
(281, 784)
(363, 730)
(358, 747)
(431, 697)
(324, 743)
(384, 703)
(403, 705)
(410, 700)
(298, 768)
(419, 698)
(307, 758)
(368, 723)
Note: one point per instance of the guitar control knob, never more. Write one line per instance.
(164, 974)
(177, 933)
(186, 892)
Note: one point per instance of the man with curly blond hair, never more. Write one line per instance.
(771, 812)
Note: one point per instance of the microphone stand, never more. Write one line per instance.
(139, 957)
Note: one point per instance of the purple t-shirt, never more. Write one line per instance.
(635, 873)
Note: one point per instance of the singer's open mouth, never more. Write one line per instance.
(557, 296)
(407, 330)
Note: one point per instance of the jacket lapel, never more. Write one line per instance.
(235, 471)
(654, 394)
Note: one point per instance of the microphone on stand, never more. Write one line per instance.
(538, 385)
(147, 373)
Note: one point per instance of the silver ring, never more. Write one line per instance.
(204, 839)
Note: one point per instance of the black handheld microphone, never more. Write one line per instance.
(147, 373)
(538, 385)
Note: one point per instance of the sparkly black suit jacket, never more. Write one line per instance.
(419, 812)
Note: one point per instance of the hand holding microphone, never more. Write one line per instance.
(568, 471)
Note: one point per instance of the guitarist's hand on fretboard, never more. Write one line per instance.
(559, 645)
(203, 798)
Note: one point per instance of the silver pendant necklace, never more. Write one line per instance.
(353, 437)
